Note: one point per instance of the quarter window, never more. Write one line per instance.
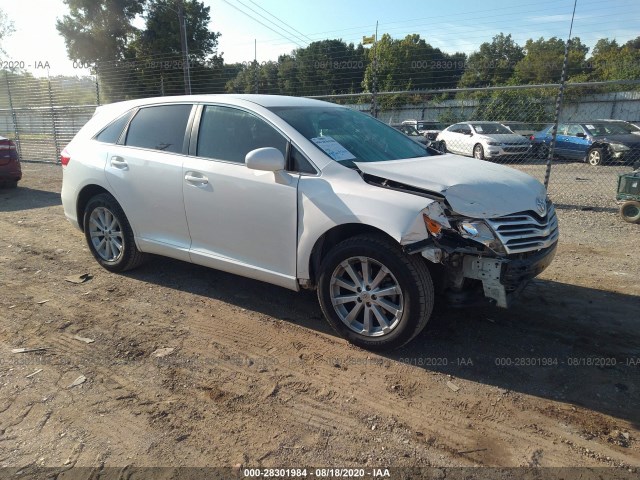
(112, 133)
(159, 128)
(229, 134)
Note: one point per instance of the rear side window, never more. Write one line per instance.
(229, 134)
(159, 128)
(112, 133)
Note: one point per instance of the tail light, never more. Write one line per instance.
(6, 144)
(531, 138)
(64, 157)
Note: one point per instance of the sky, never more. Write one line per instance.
(278, 26)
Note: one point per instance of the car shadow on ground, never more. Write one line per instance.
(25, 198)
(561, 342)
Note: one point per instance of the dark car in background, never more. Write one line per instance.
(428, 128)
(594, 142)
(411, 132)
(10, 171)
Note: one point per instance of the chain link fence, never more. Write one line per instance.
(595, 141)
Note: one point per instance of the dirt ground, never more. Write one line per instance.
(257, 378)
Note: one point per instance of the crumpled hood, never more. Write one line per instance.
(472, 187)
(629, 139)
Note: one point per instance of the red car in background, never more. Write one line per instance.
(10, 171)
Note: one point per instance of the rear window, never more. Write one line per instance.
(159, 128)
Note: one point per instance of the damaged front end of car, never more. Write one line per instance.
(483, 259)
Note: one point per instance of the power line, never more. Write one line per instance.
(270, 21)
(309, 39)
(258, 21)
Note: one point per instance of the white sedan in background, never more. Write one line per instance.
(483, 140)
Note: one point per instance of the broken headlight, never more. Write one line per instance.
(479, 231)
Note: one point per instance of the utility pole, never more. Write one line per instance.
(255, 65)
(563, 76)
(374, 89)
(185, 49)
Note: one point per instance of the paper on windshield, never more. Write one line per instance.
(333, 148)
(478, 129)
(590, 127)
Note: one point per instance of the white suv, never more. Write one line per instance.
(306, 194)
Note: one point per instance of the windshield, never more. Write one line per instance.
(599, 129)
(490, 128)
(430, 126)
(349, 136)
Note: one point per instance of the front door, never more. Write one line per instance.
(242, 221)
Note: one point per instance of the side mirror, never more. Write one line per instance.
(580, 134)
(268, 159)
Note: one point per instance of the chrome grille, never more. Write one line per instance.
(526, 231)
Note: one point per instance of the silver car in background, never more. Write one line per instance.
(483, 140)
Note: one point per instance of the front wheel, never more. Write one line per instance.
(478, 152)
(109, 235)
(373, 294)
(595, 156)
(543, 151)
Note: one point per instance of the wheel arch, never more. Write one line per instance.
(334, 236)
(86, 194)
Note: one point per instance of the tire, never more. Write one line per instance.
(393, 320)
(478, 152)
(109, 235)
(10, 184)
(595, 157)
(543, 151)
(442, 146)
(630, 211)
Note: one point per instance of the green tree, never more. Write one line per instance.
(99, 30)
(493, 64)
(161, 35)
(6, 29)
(407, 64)
(543, 60)
(610, 61)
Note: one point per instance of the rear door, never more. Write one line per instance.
(242, 221)
(145, 173)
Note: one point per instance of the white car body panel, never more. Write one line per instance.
(243, 217)
(155, 219)
(340, 197)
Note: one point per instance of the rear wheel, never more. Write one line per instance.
(109, 235)
(630, 211)
(10, 184)
(478, 152)
(595, 157)
(373, 294)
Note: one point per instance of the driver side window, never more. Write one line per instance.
(228, 134)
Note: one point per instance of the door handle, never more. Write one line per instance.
(119, 162)
(196, 178)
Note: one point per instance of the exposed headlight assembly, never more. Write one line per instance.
(479, 231)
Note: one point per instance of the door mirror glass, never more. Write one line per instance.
(268, 159)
